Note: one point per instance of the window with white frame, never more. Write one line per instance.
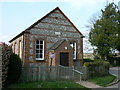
(39, 49)
(73, 45)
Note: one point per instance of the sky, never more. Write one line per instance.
(17, 15)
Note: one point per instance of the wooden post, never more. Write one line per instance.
(50, 64)
(80, 77)
(73, 73)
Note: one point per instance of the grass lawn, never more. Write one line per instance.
(50, 84)
(102, 81)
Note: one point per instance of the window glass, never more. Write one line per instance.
(39, 49)
(73, 45)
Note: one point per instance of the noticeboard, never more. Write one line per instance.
(52, 55)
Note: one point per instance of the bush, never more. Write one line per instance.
(97, 68)
(5, 51)
(14, 69)
(116, 61)
(96, 57)
(96, 63)
(87, 60)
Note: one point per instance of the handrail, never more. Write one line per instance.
(77, 71)
(63, 66)
(74, 71)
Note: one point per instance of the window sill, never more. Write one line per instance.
(39, 59)
(74, 59)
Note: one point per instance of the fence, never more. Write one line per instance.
(46, 73)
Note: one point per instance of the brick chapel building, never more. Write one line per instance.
(53, 40)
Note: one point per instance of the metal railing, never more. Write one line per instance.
(78, 73)
(74, 70)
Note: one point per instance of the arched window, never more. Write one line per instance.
(73, 45)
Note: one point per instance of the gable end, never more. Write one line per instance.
(56, 10)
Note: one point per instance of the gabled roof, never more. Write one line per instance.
(27, 30)
(56, 45)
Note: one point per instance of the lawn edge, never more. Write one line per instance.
(115, 81)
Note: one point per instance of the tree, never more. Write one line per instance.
(117, 43)
(14, 69)
(104, 31)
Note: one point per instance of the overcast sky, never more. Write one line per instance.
(17, 15)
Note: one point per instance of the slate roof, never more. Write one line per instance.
(56, 45)
(27, 30)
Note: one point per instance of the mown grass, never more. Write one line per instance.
(102, 81)
(50, 84)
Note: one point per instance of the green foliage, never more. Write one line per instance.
(87, 60)
(97, 68)
(96, 57)
(115, 61)
(6, 52)
(116, 42)
(104, 33)
(96, 63)
(14, 69)
(102, 81)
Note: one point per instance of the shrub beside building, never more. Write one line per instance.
(97, 68)
(5, 52)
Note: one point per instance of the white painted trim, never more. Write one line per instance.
(75, 51)
(74, 55)
(42, 51)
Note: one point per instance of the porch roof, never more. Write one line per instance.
(56, 45)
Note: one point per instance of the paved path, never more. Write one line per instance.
(89, 84)
(114, 71)
(114, 86)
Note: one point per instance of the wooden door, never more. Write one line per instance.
(64, 59)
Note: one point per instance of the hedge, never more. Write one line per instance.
(14, 69)
(97, 68)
